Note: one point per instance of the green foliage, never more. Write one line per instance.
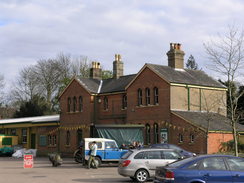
(230, 146)
(106, 74)
(35, 107)
(191, 63)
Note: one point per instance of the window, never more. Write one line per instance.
(13, 131)
(124, 102)
(155, 129)
(152, 155)
(155, 91)
(49, 140)
(213, 164)
(180, 138)
(148, 102)
(192, 138)
(171, 155)
(43, 140)
(236, 164)
(111, 145)
(148, 138)
(74, 104)
(80, 103)
(52, 140)
(24, 135)
(69, 104)
(68, 138)
(139, 155)
(105, 103)
(139, 96)
(99, 144)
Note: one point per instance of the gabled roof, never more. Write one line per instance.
(90, 84)
(185, 76)
(216, 121)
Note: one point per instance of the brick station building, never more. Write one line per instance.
(167, 103)
(158, 104)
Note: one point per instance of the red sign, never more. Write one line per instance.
(28, 161)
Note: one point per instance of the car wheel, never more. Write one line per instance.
(78, 157)
(141, 175)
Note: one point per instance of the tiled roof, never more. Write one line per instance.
(216, 121)
(108, 85)
(116, 85)
(185, 76)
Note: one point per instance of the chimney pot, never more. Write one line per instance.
(176, 56)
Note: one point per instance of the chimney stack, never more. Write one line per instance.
(176, 56)
(96, 71)
(118, 67)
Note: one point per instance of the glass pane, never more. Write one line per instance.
(213, 164)
(236, 164)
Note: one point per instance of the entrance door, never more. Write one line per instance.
(79, 137)
(164, 135)
(33, 141)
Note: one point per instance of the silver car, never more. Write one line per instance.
(140, 164)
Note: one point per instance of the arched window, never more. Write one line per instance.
(147, 96)
(180, 138)
(74, 104)
(68, 138)
(139, 97)
(69, 104)
(105, 103)
(79, 138)
(155, 93)
(192, 138)
(156, 135)
(124, 102)
(148, 138)
(80, 103)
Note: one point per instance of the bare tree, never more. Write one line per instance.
(226, 55)
(1, 88)
(26, 85)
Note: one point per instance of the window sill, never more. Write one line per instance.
(52, 146)
(150, 105)
(67, 146)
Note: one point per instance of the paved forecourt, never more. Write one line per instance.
(12, 171)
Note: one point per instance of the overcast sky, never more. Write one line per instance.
(139, 30)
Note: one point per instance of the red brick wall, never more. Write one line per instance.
(69, 120)
(180, 126)
(115, 114)
(143, 114)
(215, 140)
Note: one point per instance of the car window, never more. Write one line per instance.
(236, 164)
(139, 155)
(99, 145)
(127, 155)
(110, 145)
(171, 155)
(152, 155)
(194, 166)
(213, 163)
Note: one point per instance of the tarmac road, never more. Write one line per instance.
(12, 171)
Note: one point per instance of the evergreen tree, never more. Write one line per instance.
(191, 63)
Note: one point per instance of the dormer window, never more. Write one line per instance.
(139, 97)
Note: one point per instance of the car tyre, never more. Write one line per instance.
(99, 162)
(141, 175)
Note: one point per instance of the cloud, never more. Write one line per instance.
(139, 30)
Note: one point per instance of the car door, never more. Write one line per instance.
(236, 166)
(111, 151)
(152, 159)
(214, 170)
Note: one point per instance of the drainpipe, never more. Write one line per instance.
(188, 97)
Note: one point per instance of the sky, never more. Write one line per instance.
(140, 30)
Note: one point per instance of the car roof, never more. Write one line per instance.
(150, 149)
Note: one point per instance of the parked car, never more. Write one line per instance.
(201, 169)
(107, 151)
(140, 164)
(183, 152)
